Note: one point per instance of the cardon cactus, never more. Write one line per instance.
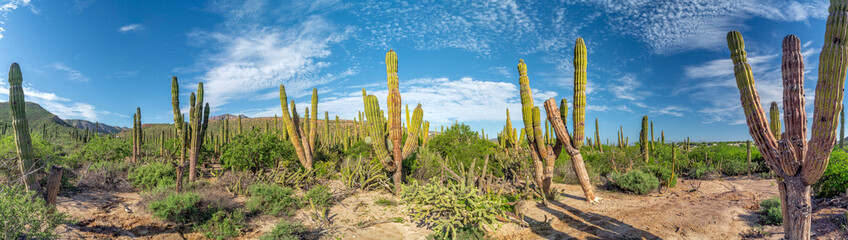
(138, 135)
(798, 162)
(181, 128)
(199, 122)
(23, 142)
(297, 135)
(378, 128)
(313, 119)
(774, 120)
(540, 151)
(643, 140)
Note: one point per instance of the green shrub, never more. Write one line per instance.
(320, 196)
(152, 175)
(179, 208)
(461, 143)
(469, 233)
(385, 202)
(23, 216)
(663, 174)
(285, 231)
(253, 150)
(835, 178)
(103, 149)
(735, 167)
(636, 181)
(458, 207)
(701, 172)
(223, 225)
(272, 199)
(770, 212)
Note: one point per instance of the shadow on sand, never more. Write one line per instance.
(595, 226)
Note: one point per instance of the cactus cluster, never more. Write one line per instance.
(298, 135)
(544, 155)
(385, 134)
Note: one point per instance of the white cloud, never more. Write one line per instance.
(60, 106)
(713, 83)
(8, 7)
(443, 100)
(676, 111)
(256, 57)
(72, 74)
(130, 28)
(627, 88)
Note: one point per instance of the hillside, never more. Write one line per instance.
(36, 116)
(101, 128)
(226, 116)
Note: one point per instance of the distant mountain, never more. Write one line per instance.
(101, 128)
(37, 117)
(227, 116)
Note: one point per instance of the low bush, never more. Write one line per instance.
(735, 167)
(285, 231)
(702, 172)
(223, 225)
(23, 216)
(835, 178)
(319, 196)
(636, 181)
(253, 150)
(272, 199)
(179, 208)
(152, 175)
(663, 174)
(107, 176)
(770, 212)
(385, 202)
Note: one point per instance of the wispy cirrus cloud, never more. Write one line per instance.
(71, 73)
(130, 28)
(256, 55)
(9, 6)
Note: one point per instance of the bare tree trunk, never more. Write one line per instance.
(53, 184)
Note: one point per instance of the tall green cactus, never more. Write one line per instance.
(297, 135)
(181, 128)
(199, 122)
(842, 128)
(774, 120)
(313, 119)
(23, 142)
(137, 135)
(799, 163)
(379, 127)
(598, 137)
(643, 140)
(540, 151)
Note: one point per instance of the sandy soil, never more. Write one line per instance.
(716, 209)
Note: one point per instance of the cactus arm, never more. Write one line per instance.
(829, 92)
(794, 113)
(559, 126)
(415, 126)
(313, 120)
(175, 103)
(291, 121)
(579, 115)
(376, 131)
(393, 104)
(774, 120)
(758, 125)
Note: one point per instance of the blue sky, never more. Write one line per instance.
(98, 60)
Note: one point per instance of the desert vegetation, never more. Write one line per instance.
(302, 177)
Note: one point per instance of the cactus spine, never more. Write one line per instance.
(798, 162)
(377, 126)
(774, 115)
(297, 134)
(643, 140)
(23, 142)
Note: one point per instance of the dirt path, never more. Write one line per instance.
(113, 215)
(717, 209)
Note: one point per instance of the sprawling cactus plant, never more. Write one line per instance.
(798, 162)
(297, 135)
(540, 151)
(378, 128)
